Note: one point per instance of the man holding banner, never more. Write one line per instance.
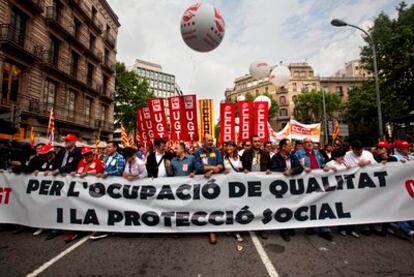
(256, 159)
(209, 161)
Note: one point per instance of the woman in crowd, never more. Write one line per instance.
(135, 167)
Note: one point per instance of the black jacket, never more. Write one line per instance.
(247, 159)
(278, 164)
(74, 158)
(152, 167)
(39, 162)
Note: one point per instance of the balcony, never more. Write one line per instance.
(56, 64)
(107, 96)
(59, 23)
(35, 6)
(108, 66)
(94, 53)
(97, 25)
(110, 39)
(93, 86)
(15, 42)
(62, 113)
(282, 90)
(104, 125)
(82, 9)
(283, 117)
(284, 104)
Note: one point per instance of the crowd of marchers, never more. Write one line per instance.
(180, 159)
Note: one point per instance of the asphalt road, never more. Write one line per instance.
(192, 255)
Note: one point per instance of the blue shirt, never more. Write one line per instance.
(114, 165)
(203, 157)
(303, 155)
(182, 167)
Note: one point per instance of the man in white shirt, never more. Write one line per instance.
(358, 156)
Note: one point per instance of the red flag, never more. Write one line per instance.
(159, 121)
(260, 118)
(227, 122)
(177, 122)
(190, 118)
(245, 120)
(144, 120)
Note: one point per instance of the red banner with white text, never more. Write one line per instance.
(245, 120)
(159, 121)
(227, 122)
(149, 130)
(260, 118)
(177, 121)
(190, 118)
(142, 136)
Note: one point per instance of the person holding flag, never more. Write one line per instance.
(51, 128)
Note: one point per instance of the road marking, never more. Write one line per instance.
(263, 255)
(57, 258)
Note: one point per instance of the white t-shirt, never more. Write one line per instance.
(136, 168)
(256, 162)
(338, 166)
(352, 160)
(237, 164)
(162, 171)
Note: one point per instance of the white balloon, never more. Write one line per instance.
(241, 98)
(202, 27)
(259, 70)
(263, 98)
(280, 76)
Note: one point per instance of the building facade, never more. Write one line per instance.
(161, 83)
(302, 80)
(59, 55)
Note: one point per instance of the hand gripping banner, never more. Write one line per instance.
(234, 202)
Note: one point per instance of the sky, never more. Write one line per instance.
(256, 30)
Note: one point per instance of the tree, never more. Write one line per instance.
(274, 107)
(130, 93)
(394, 40)
(309, 106)
(361, 112)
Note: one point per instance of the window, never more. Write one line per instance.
(50, 94)
(105, 84)
(339, 91)
(92, 40)
(294, 87)
(76, 26)
(94, 12)
(282, 100)
(70, 103)
(103, 112)
(257, 92)
(88, 105)
(11, 79)
(283, 112)
(74, 58)
(266, 89)
(18, 23)
(89, 77)
(106, 58)
(53, 50)
(294, 98)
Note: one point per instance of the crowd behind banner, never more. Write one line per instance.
(166, 159)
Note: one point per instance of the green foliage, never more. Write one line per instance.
(274, 107)
(394, 40)
(309, 106)
(130, 93)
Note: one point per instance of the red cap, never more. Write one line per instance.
(86, 150)
(401, 144)
(383, 144)
(45, 149)
(70, 137)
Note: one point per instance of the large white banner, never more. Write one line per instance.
(234, 202)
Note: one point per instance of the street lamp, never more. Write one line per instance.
(341, 23)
